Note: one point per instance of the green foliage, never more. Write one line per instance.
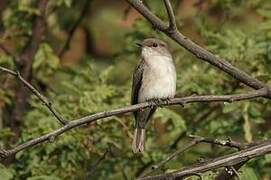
(6, 174)
(17, 17)
(96, 84)
(45, 63)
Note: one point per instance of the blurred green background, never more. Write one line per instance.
(95, 74)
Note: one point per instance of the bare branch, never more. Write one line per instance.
(224, 161)
(197, 119)
(100, 115)
(25, 61)
(176, 153)
(229, 143)
(195, 49)
(42, 98)
(199, 52)
(172, 22)
(13, 73)
(74, 27)
(197, 140)
(94, 166)
(235, 172)
(142, 9)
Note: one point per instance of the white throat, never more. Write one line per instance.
(148, 52)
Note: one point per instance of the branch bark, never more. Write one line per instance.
(196, 140)
(192, 47)
(42, 98)
(25, 63)
(231, 160)
(225, 161)
(100, 115)
(172, 31)
(74, 27)
(172, 22)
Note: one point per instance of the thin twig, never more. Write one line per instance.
(198, 51)
(176, 153)
(235, 172)
(223, 161)
(172, 22)
(196, 120)
(125, 128)
(42, 98)
(197, 140)
(94, 166)
(195, 49)
(26, 58)
(228, 142)
(74, 27)
(100, 115)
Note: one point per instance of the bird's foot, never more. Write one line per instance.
(166, 100)
(155, 102)
(152, 103)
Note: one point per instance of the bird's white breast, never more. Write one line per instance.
(159, 79)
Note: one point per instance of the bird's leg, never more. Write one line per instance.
(152, 103)
(155, 102)
(167, 100)
(158, 102)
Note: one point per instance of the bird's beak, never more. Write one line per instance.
(139, 44)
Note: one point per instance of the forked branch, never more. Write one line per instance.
(224, 161)
(192, 47)
(196, 140)
(172, 22)
(42, 98)
(100, 115)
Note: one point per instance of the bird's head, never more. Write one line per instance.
(153, 47)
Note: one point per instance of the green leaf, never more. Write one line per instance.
(5, 173)
(265, 12)
(247, 173)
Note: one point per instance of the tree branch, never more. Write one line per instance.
(172, 22)
(196, 120)
(42, 98)
(229, 143)
(74, 27)
(196, 50)
(25, 65)
(100, 115)
(94, 166)
(192, 47)
(196, 140)
(224, 161)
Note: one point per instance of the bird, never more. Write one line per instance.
(154, 79)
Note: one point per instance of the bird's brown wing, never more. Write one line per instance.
(141, 116)
(137, 81)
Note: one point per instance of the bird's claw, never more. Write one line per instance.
(157, 102)
(167, 100)
(152, 103)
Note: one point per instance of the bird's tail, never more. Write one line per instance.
(139, 140)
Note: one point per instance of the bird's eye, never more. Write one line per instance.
(154, 45)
